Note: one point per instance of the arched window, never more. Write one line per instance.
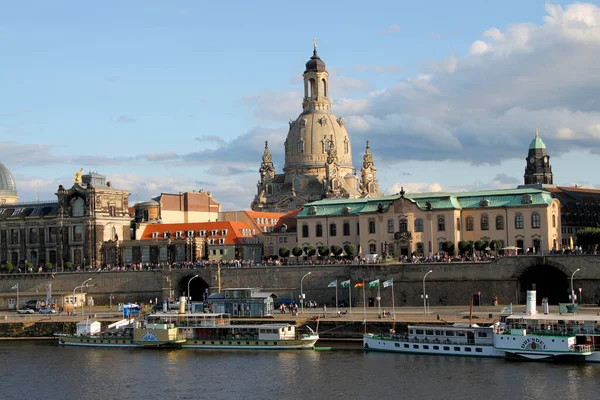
(371, 226)
(319, 230)
(403, 225)
(324, 87)
(484, 223)
(301, 146)
(346, 228)
(441, 224)
(346, 146)
(519, 222)
(469, 223)
(535, 220)
(269, 189)
(390, 226)
(419, 225)
(311, 88)
(325, 145)
(499, 222)
(554, 220)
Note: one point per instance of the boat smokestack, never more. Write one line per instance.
(531, 301)
(182, 305)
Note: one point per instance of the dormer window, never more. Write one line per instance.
(154, 235)
(190, 233)
(224, 232)
(178, 234)
(214, 232)
(167, 235)
(222, 241)
(211, 241)
(202, 232)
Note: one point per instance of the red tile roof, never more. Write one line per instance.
(237, 232)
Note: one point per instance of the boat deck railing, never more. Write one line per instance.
(559, 332)
(580, 348)
(405, 338)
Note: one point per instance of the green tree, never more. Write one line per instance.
(310, 250)
(336, 250)
(448, 247)
(464, 246)
(297, 252)
(323, 251)
(480, 245)
(284, 252)
(350, 249)
(68, 265)
(29, 266)
(48, 266)
(9, 267)
(588, 237)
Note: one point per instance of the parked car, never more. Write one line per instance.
(47, 310)
(25, 311)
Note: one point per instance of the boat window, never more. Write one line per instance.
(467, 349)
(482, 334)
(457, 349)
(397, 344)
(415, 346)
(439, 333)
(425, 347)
(412, 331)
(419, 331)
(436, 347)
(449, 333)
(460, 333)
(406, 346)
(429, 332)
(266, 343)
(478, 350)
(447, 348)
(247, 342)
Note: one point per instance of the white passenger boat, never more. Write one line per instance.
(567, 337)
(215, 331)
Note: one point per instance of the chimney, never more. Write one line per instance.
(531, 301)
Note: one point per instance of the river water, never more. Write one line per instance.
(40, 370)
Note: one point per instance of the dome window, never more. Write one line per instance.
(301, 146)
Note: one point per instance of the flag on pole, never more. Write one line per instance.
(360, 284)
(16, 286)
(389, 282)
(345, 284)
(374, 283)
(332, 284)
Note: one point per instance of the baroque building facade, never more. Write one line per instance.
(318, 154)
(68, 231)
(421, 223)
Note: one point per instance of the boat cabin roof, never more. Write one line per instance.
(554, 317)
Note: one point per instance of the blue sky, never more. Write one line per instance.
(172, 96)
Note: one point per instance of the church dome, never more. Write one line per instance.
(7, 183)
(309, 139)
(537, 142)
(315, 64)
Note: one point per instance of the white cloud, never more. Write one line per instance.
(415, 187)
(393, 28)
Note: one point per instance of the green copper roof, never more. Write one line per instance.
(537, 143)
(431, 201)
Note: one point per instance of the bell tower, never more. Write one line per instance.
(538, 169)
(316, 84)
(369, 185)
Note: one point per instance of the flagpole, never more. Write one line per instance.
(17, 295)
(336, 299)
(393, 305)
(364, 302)
(350, 295)
(378, 298)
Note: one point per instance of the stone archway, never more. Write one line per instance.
(198, 287)
(550, 282)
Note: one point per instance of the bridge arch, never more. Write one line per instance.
(198, 287)
(551, 282)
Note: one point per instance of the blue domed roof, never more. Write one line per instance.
(7, 183)
(537, 142)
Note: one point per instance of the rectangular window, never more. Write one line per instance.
(535, 221)
(33, 235)
(441, 224)
(390, 226)
(499, 223)
(447, 348)
(469, 223)
(304, 230)
(419, 225)
(484, 223)
(467, 349)
(436, 347)
(406, 346)
(478, 350)
(319, 230)
(14, 236)
(518, 221)
(346, 228)
(78, 233)
(332, 229)
(371, 226)
(457, 349)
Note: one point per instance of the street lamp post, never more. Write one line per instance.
(82, 286)
(572, 292)
(302, 292)
(424, 293)
(188, 293)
